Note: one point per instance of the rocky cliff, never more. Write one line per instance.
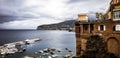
(66, 25)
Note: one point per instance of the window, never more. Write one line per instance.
(91, 28)
(101, 28)
(85, 28)
(116, 28)
(117, 15)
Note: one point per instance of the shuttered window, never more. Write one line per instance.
(101, 28)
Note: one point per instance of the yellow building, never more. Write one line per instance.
(82, 17)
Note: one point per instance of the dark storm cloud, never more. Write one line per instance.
(8, 18)
(4, 18)
(9, 10)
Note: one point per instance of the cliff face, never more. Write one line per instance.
(66, 25)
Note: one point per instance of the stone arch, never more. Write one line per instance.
(113, 45)
(107, 37)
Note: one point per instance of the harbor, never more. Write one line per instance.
(16, 47)
(48, 40)
(19, 47)
(12, 48)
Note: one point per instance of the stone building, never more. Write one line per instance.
(95, 35)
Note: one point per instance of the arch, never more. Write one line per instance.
(107, 37)
(113, 45)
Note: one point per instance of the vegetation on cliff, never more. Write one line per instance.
(66, 25)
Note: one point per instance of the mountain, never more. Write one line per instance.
(66, 25)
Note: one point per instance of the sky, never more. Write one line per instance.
(28, 14)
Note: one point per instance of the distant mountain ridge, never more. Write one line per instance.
(66, 25)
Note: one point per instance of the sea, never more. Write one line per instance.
(57, 39)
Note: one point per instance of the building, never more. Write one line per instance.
(82, 17)
(100, 39)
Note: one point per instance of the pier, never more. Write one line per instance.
(10, 48)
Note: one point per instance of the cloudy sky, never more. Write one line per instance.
(28, 14)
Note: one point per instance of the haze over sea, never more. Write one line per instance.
(50, 39)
